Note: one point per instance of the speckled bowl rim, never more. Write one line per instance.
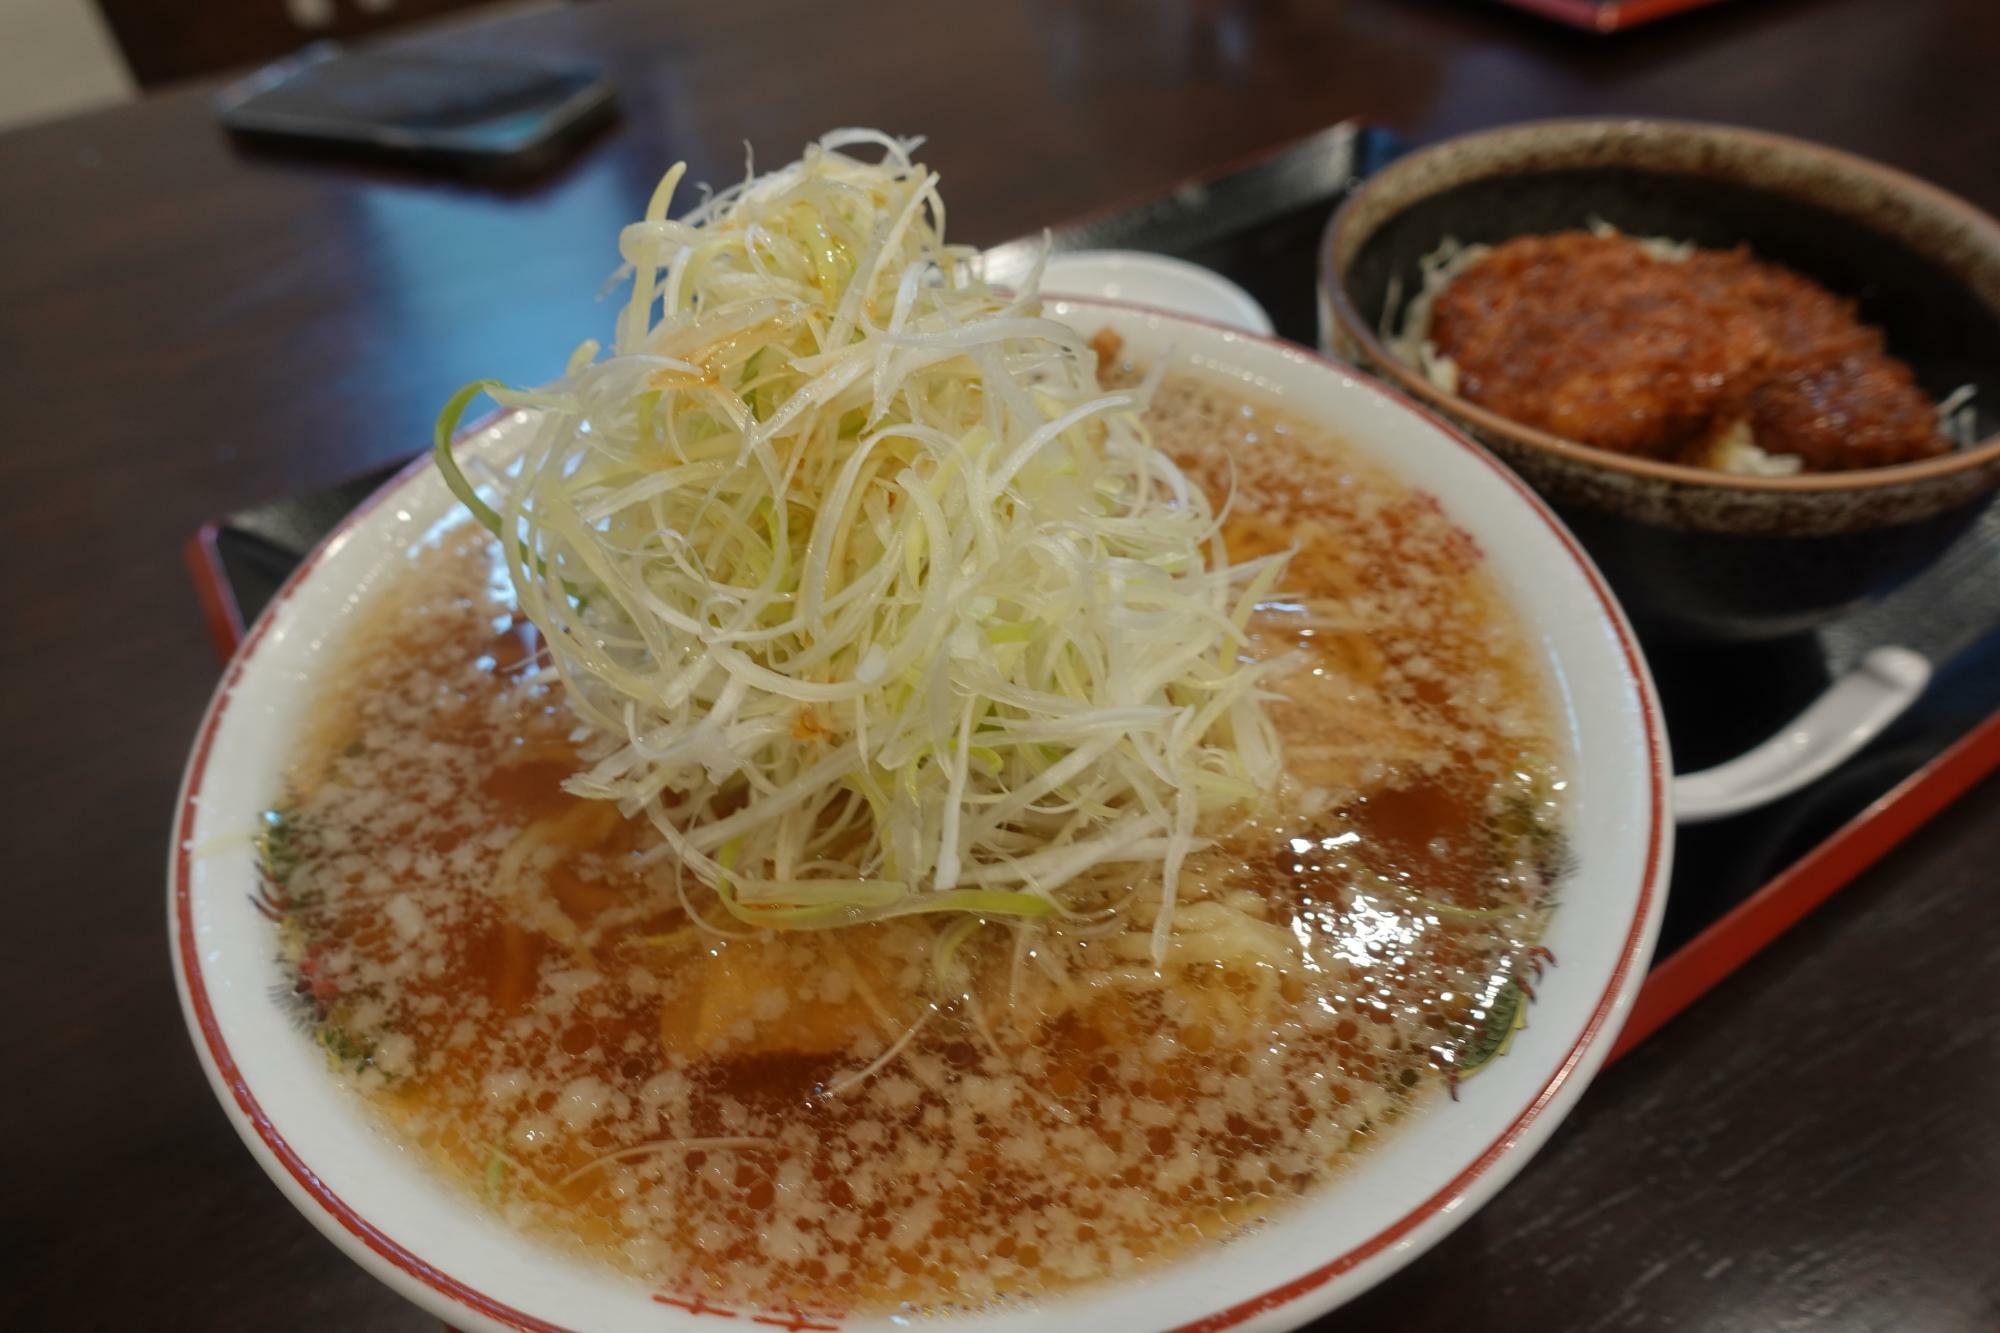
(1617, 131)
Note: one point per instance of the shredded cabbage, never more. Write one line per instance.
(873, 600)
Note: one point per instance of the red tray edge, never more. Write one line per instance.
(1743, 932)
(219, 610)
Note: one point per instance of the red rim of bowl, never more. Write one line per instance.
(228, 1076)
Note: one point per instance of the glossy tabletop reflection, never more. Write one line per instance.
(186, 329)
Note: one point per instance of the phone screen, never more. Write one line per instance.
(416, 102)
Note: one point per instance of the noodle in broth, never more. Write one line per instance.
(935, 1112)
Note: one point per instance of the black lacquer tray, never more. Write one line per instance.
(1737, 883)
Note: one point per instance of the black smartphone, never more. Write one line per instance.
(468, 114)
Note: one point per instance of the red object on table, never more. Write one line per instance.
(1607, 15)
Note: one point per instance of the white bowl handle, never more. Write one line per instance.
(1852, 712)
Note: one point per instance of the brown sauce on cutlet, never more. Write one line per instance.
(1593, 338)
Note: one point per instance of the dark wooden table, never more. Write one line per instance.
(184, 330)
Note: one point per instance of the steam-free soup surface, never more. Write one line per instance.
(908, 1112)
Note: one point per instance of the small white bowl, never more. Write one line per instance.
(423, 1237)
(1137, 278)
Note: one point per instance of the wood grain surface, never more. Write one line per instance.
(185, 330)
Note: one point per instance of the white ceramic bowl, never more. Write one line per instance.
(1134, 277)
(377, 1202)
(1159, 281)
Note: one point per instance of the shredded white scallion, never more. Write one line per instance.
(847, 562)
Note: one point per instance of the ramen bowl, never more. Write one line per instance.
(424, 1237)
(1694, 552)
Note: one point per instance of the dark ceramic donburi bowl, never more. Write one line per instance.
(1694, 552)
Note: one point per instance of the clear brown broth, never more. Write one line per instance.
(478, 951)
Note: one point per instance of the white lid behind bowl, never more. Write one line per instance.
(1158, 281)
